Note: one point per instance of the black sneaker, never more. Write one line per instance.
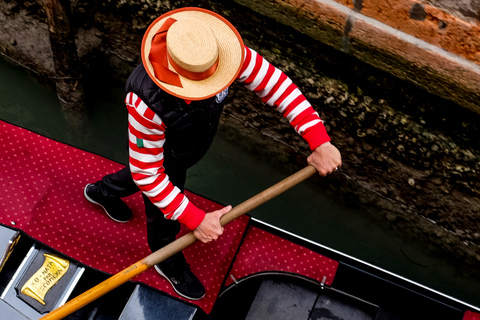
(183, 281)
(116, 209)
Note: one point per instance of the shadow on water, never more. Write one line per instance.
(231, 175)
(33, 105)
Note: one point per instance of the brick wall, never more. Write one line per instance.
(415, 41)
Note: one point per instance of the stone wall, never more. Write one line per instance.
(415, 41)
(468, 10)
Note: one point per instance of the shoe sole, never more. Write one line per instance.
(95, 202)
(180, 294)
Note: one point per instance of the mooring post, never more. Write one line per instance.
(66, 61)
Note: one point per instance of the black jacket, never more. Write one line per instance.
(190, 128)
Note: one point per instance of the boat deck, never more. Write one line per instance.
(43, 180)
(253, 271)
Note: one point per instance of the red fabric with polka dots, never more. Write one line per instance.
(42, 185)
(263, 251)
(469, 315)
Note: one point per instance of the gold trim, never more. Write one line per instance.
(52, 270)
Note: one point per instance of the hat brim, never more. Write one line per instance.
(230, 55)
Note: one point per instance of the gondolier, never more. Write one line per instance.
(175, 98)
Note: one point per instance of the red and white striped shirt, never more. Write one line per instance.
(147, 135)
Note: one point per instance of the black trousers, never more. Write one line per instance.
(191, 130)
(160, 231)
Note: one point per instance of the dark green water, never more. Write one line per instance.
(231, 175)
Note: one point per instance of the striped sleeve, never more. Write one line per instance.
(146, 133)
(277, 90)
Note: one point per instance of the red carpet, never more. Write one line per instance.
(263, 251)
(469, 315)
(43, 180)
(42, 183)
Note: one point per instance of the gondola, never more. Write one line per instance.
(54, 246)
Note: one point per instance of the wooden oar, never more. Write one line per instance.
(174, 247)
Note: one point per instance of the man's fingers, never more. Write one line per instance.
(325, 172)
(224, 210)
(210, 228)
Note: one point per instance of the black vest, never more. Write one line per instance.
(190, 128)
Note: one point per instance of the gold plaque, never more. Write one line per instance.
(52, 270)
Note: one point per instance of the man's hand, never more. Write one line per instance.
(210, 228)
(325, 158)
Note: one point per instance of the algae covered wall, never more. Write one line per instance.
(412, 40)
(400, 111)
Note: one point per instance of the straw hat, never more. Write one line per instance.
(192, 53)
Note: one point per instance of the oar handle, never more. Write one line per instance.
(236, 212)
(174, 247)
(267, 194)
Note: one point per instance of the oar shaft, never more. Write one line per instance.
(174, 247)
(121, 277)
(96, 292)
(268, 194)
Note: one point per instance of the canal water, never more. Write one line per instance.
(231, 175)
